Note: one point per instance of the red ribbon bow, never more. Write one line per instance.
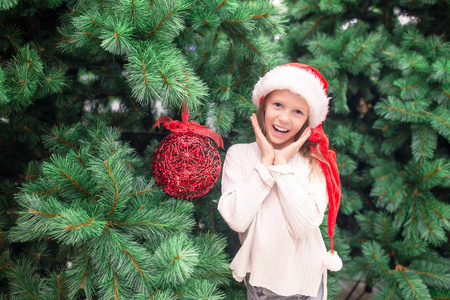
(185, 126)
(333, 186)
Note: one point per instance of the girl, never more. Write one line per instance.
(275, 191)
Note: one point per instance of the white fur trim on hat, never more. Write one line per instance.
(299, 81)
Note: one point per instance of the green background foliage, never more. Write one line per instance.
(83, 82)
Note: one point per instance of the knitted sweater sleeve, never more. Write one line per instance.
(304, 200)
(244, 187)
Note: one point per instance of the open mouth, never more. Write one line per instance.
(279, 129)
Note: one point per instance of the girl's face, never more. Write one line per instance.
(285, 115)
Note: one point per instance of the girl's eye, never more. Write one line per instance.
(298, 112)
(277, 104)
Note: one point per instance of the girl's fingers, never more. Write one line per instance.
(307, 132)
(254, 121)
(255, 125)
(305, 135)
(266, 148)
(302, 139)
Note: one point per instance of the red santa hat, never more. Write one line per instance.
(301, 79)
(307, 82)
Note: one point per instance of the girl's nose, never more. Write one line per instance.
(284, 118)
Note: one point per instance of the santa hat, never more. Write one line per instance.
(301, 79)
(307, 82)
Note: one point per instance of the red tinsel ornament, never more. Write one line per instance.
(186, 163)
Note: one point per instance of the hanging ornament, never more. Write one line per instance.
(186, 163)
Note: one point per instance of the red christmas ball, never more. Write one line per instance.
(186, 165)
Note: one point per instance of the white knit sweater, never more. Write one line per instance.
(277, 212)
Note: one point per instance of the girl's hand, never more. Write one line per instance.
(267, 152)
(285, 154)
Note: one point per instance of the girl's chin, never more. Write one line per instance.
(280, 143)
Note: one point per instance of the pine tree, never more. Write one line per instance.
(81, 86)
(123, 239)
(387, 64)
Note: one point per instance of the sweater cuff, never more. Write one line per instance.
(283, 169)
(265, 175)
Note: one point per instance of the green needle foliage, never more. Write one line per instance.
(387, 68)
(118, 233)
(68, 201)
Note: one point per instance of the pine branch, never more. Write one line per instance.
(132, 259)
(7, 4)
(175, 259)
(394, 109)
(424, 142)
(410, 285)
(24, 281)
(440, 121)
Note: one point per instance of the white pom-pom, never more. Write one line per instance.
(332, 261)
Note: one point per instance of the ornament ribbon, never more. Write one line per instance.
(185, 126)
(331, 176)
